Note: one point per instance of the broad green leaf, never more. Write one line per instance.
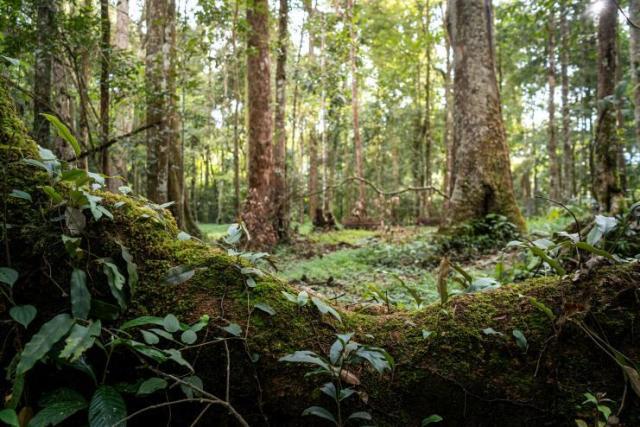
(553, 263)
(330, 390)
(40, 344)
(107, 408)
(521, 340)
(305, 356)
(19, 194)
(302, 299)
(431, 419)
(80, 340)
(178, 275)
(360, 415)
(53, 194)
(188, 337)
(23, 314)
(151, 386)
(150, 338)
(116, 282)
(263, 306)
(170, 323)
(132, 267)
(8, 276)
(320, 412)
(9, 417)
(325, 308)
(379, 359)
(57, 407)
(590, 248)
(36, 163)
(80, 296)
(234, 329)
(176, 356)
(141, 321)
(63, 132)
(194, 383)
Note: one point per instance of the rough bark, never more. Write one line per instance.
(459, 372)
(606, 185)
(280, 190)
(483, 181)
(45, 27)
(568, 169)
(105, 65)
(447, 137)
(552, 139)
(157, 148)
(63, 106)
(259, 206)
(634, 56)
(236, 114)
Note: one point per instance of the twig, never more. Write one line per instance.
(175, 402)
(112, 141)
(629, 21)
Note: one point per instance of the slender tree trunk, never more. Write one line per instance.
(428, 141)
(449, 175)
(483, 171)
(360, 209)
(259, 207)
(105, 64)
(567, 145)
(63, 104)
(236, 117)
(157, 148)
(83, 87)
(620, 125)
(281, 193)
(45, 28)
(634, 56)
(606, 179)
(552, 140)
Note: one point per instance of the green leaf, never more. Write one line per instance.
(431, 419)
(320, 412)
(9, 417)
(8, 276)
(176, 356)
(19, 194)
(132, 267)
(63, 132)
(80, 340)
(543, 308)
(234, 329)
(188, 337)
(263, 306)
(521, 340)
(170, 323)
(589, 248)
(193, 383)
(379, 359)
(491, 331)
(107, 408)
(23, 314)
(58, 406)
(116, 282)
(426, 334)
(53, 194)
(581, 423)
(184, 236)
(72, 245)
(40, 344)
(324, 308)
(553, 263)
(141, 321)
(35, 163)
(80, 296)
(151, 386)
(178, 275)
(360, 415)
(330, 390)
(150, 338)
(305, 356)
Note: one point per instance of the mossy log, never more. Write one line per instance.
(467, 376)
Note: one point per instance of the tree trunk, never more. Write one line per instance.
(63, 104)
(606, 179)
(259, 206)
(84, 74)
(568, 180)
(428, 140)
(45, 28)
(483, 181)
(552, 140)
(449, 175)
(280, 191)
(634, 56)
(236, 118)
(105, 64)
(360, 208)
(157, 144)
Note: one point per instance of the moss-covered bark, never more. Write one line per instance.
(459, 372)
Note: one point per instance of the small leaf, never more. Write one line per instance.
(150, 338)
(80, 340)
(141, 321)
(188, 337)
(63, 132)
(23, 314)
(234, 329)
(184, 236)
(8, 276)
(320, 412)
(263, 306)
(194, 383)
(324, 308)
(170, 323)
(491, 331)
(9, 417)
(53, 194)
(151, 385)
(132, 267)
(360, 415)
(178, 275)
(80, 296)
(19, 194)
(305, 356)
(40, 344)
(431, 419)
(330, 390)
(426, 334)
(521, 340)
(107, 407)
(543, 308)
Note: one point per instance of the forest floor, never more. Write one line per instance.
(378, 270)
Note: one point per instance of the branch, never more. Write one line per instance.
(112, 141)
(629, 21)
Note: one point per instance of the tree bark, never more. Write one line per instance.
(606, 179)
(280, 190)
(105, 64)
(483, 181)
(236, 117)
(63, 106)
(449, 174)
(568, 170)
(634, 56)
(45, 28)
(552, 139)
(259, 206)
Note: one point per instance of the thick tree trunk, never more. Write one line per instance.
(469, 377)
(552, 139)
(259, 206)
(483, 181)
(105, 65)
(360, 208)
(606, 175)
(280, 191)
(45, 28)
(157, 144)
(568, 169)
